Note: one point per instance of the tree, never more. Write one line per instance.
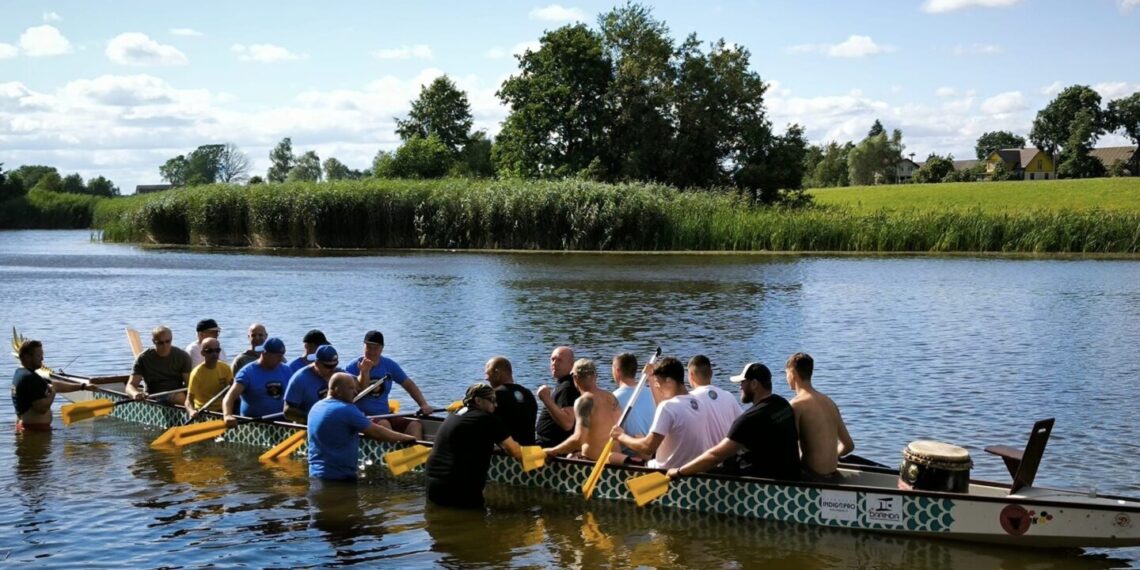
(282, 161)
(1124, 115)
(639, 97)
(256, 180)
(10, 185)
(417, 158)
(832, 168)
(233, 165)
(49, 182)
(995, 140)
(73, 184)
(441, 110)
(336, 170)
(307, 168)
(935, 169)
(558, 111)
(30, 174)
(875, 159)
(201, 166)
(777, 165)
(1075, 159)
(476, 158)
(1054, 124)
(100, 186)
(876, 129)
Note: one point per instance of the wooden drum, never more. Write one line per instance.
(935, 466)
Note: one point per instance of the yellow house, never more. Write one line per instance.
(1027, 163)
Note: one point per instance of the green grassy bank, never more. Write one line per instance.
(1111, 194)
(40, 209)
(578, 215)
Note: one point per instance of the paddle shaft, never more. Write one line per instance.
(637, 390)
(596, 474)
(370, 388)
(206, 405)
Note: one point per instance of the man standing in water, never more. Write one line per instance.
(823, 435)
(516, 405)
(334, 427)
(163, 368)
(461, 455)
(596, 411)
(32, 394)
(556, 420)
(257, 336)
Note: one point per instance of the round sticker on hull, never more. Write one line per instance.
(1015, 520)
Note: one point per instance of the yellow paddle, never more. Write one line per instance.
(285, 448)
(135, 342)
(533, 457)
(212, 429)
(454, 406)
(596, 474)
(647, 488)
(168, 436)
(88, 409)
(403, 460)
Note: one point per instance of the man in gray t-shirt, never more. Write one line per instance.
(257, 336)
(163, 368)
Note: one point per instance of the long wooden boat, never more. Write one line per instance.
(866, 498)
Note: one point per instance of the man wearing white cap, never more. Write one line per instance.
(763, 442)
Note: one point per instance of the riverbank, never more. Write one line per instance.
(581, 215)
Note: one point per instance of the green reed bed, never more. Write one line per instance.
(580, 215)
(40, 209)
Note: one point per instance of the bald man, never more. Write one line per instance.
(516, 407)
(596, 411)
(257, 337)
(556, 420)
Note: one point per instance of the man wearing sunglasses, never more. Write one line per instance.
(310, 384)
(163, 368)
(207, 328)
(208, 378)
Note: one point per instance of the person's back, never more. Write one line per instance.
(518, 410)
(603, 415)
(641, 414)
(683, 424)
(719, 409)
(333, 443)
(461, 455)
(823, 435)
(768, 432)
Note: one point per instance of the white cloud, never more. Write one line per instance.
(137, 49)
(1115, 89)
(1004, 103)
(8, 51)
(557, 13)
(499, 52)
(185, 32)
(43, 41)
(52, 17)
(1052, 88)
(946, 92)
(977, 49)
(404, 52)
(1127, 5)
(942, 6)
(264, 53)
(852, 47)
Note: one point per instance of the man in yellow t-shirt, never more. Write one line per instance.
(207, 379)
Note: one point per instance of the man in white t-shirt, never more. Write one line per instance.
(680, 429)
(722, 405)
(207, 328)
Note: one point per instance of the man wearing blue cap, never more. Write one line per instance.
(311, 383)
(259, 385)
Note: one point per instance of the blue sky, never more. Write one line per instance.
(116, 88)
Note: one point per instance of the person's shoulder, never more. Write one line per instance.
(224, 368)
(179, 353)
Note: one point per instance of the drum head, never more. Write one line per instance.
(938, 451)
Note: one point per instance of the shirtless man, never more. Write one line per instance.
(596, 412)
(823, 435)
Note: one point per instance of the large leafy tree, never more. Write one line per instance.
(441, 110)
(1075, 159)
(10, 185)
(199, 167)
(875, 159)
(1055, 124)
(876, 129)
(558, 101)
(337, 170)
(417, 158)
(282, 161)
(775, 165)
(307, 168)
(994, 140)
(30, 174)
(100, 186)
(934, 169)
(73, 184)
(1124, 116)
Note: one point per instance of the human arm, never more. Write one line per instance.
(643, 446)
(707, 460)
(563, 416)
(63, 387)
(230, 404)
(512, 447)
(846, 444)
(294, 414)
(583, 407)
(134, 387)
(363, 372)
(377, 431)
(414, 391)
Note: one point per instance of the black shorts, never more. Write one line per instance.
(448, 494)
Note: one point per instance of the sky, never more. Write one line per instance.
(117, 88)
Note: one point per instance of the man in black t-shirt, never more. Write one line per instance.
(763, 442)
(461, 454)
(517, 407)
(32, 394)
(556, 420)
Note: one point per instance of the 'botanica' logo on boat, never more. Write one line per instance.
(883, 509)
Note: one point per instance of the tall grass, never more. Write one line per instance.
(40, 209)
(579, 215)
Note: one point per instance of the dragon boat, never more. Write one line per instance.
(868, 498)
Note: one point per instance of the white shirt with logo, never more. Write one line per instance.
(682, 420)
(723, 409)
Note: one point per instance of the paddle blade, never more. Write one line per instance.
(167, 437)
(164, 440)
(403, 460)
(80, 411)
(393, 406)
(454, 407)
(134, 341)
(596, 474)
(533, 457)
(182, 440)
(285, 448)
(647, 488)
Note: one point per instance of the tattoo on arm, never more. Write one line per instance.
(583, 408)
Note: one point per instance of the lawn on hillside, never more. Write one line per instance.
(1116, 194)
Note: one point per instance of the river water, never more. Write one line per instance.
(961, 349)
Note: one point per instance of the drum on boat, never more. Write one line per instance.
(935, 466)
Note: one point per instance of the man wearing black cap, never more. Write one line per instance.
(310, 384)
(374, 366)
(207, 328)
(762, 442)
(313, 340)
(461, 454)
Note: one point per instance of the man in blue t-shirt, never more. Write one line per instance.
(374, 366)
(311, 383)
(640, 417)
(334, 428)
(312, 340)
(260, 385)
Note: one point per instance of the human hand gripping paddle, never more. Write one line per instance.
(294, 442)
(592, 481)
(168, 436)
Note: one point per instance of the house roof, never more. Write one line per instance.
(1109, 155)
(148, 188)
(1018, 156)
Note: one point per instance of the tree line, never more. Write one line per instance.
(37, 177)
